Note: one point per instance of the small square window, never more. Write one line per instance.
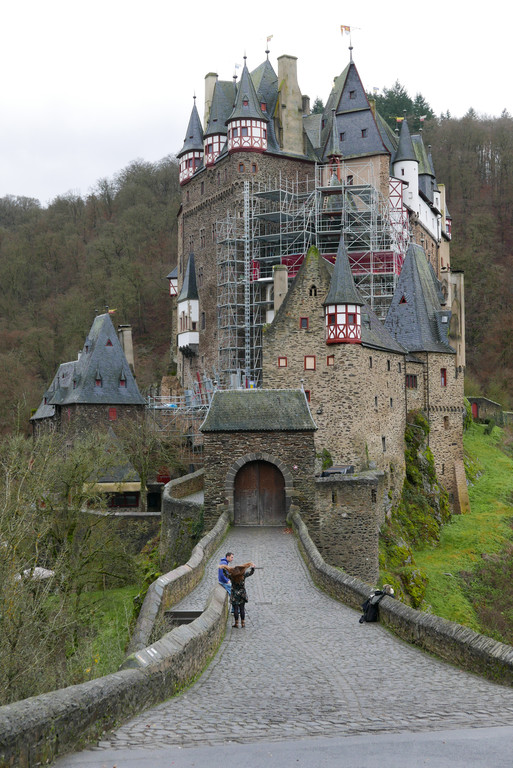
(309, 362)
(351, 318)
(332, 319)
(241, 167)
(113, 414)
(303, 323)
(243, 131)
(307, 394)
(349, 180)
(352, 94)
(446, 422)
(364, 133)
(330, 360)
(343, 136)
(282, 362)
(443, 377)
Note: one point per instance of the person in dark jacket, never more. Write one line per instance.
(239, 597)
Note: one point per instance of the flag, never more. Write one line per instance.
(269, 38)
(399, 119)
(344, 29)
(422, 118)
(111, 311)
(237, 66)
(375, 89)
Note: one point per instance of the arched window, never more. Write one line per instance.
(313, 290)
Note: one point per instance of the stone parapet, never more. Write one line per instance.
(175, 585)
(34, 731)
(447, 639)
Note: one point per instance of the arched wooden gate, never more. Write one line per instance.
(259, 495)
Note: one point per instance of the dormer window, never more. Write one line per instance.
(343, 136)
(98, 382)
(122, 382)
(364, 133)
(109, 343)
(263, 106)
(352, 95)
(245, 102)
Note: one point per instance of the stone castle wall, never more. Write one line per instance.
(357, 400)
(294, 452)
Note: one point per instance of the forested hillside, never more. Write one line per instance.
(474, 158)
(116, 246)
(60, 264)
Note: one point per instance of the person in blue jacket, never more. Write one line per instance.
(222, 577)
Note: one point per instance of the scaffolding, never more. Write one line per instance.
(276, 222)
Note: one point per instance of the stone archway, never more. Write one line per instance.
(258, 489)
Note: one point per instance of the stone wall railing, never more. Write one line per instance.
(34, 731)
(448, 640)
(175, 585)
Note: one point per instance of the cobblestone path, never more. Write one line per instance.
(304, 666)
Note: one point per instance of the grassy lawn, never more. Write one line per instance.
(486, 530)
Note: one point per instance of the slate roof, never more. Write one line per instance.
(246, 91)
(223, 100)
(416, 317)
(194, 136)
(342, 288)
(259, 410)
(189, 286)
(405, 149)
(102, 357)
(173, 274)
(353, 117)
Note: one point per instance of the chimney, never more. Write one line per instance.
(210, 81)
(306, 105)
(290, 106)
(281, 285)
(125, 339)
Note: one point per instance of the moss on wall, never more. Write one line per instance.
(418, 517)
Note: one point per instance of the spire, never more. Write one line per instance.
(333, 146)
(342, 288)
(189, 287)
(194, 136)
(246, 103)
(405, 149)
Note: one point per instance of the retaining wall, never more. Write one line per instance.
(452, 642)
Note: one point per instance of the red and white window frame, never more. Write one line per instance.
(247, 135)
(343, 323)
(212, 146)
(188, 165)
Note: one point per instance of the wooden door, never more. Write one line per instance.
(259, 495)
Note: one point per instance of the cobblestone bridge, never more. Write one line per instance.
(303, 666)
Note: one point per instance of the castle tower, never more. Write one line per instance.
(406, 167)
(191, 154)
(342, 306)
(188, 312)
(247, 124)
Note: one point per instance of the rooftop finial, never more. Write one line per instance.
(351, 53)
(269, 38)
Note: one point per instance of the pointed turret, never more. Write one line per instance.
(342, 306)
(188, 312)
(247, 124)
(220, 109)
(191, 154)
(405, 166)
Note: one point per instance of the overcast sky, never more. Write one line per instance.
(87, 87)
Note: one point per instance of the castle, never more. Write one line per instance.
(314, 254)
